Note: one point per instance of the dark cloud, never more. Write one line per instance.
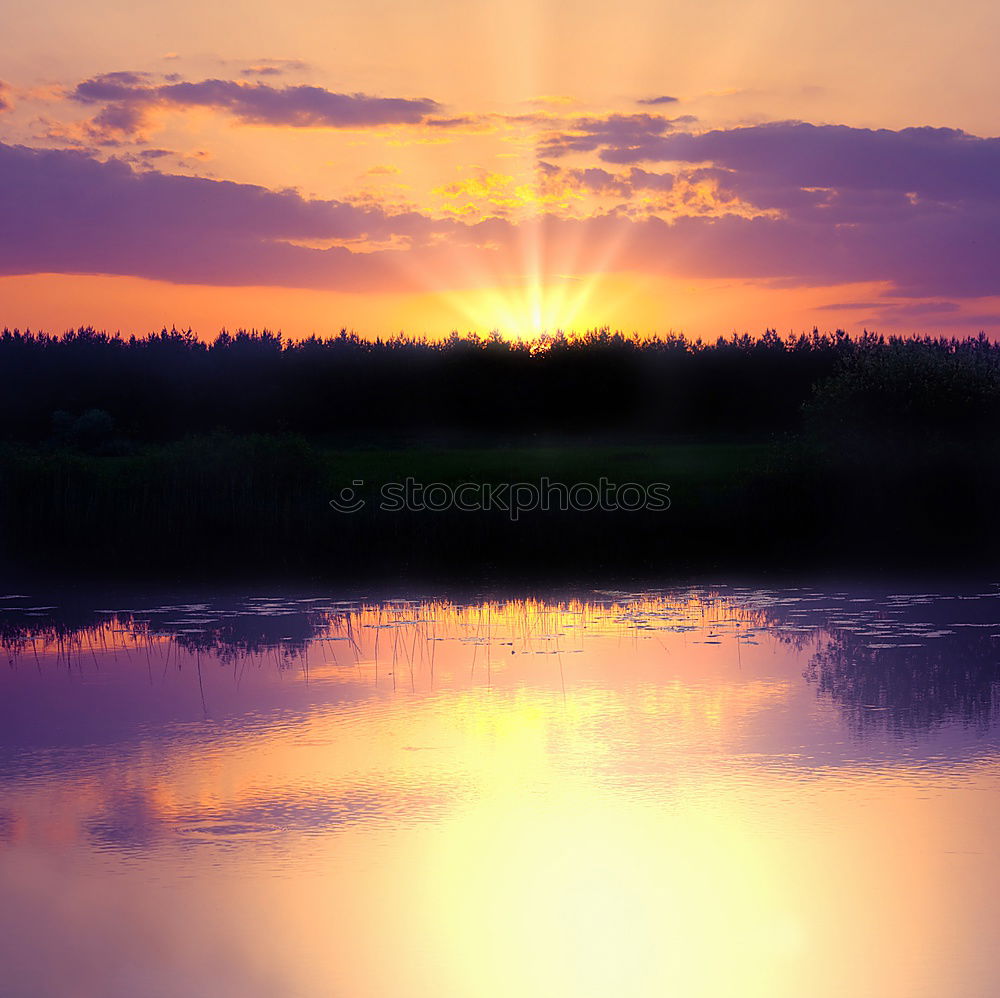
(641, 180)
(947, 254)
(604, 182)
(592, 179)
(301, 106)
(917, 207)
(145, 158)
(274, 67)
(121, 85)
(118, 119)
(657, 100)
(458, 122)
(848, 306)
(600, 181)
(942, 164)
(917, 314)
(63, 212)
(922, 309)
(914, 195)
(129, 97)
(616, 131)
(830, 174)
(898, 309)
(916, 210)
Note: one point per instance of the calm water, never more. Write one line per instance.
(690, 792)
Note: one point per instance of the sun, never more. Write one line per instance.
(552, 278)
(530, 309)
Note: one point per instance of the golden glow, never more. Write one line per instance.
(531, 308)
(489, 195)
(502, 798)
(623, 301)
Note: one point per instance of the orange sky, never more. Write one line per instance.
(478, 166)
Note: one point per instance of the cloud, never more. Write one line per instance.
(63, 212)
(459, 121)
(600, 181)
(849, 306)
(595, 179)
(300, 106)
(938, 186)
(615, 131)
(917, 207)
(948, 254)
(641, 180)
(5, 102)
(629, 134)
(130, 96)
(657, 100)
(939, 163)
(119, 85)
(917, 314)
(911, 309)
(916, 210)
(274, 67)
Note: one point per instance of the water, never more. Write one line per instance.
(697, 792)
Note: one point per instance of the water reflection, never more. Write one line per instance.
(697, 791)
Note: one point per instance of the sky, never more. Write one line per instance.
(699, 167)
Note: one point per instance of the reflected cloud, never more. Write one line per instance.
(129, 821)
(568, 794)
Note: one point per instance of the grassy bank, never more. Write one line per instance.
(224, 503)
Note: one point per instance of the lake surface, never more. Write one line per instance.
(708, 791)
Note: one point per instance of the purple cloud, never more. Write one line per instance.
(301, 107)
(129, 96)
(928, 230)
(616, 131)
(63, 212)
(120, 85)
(601, 181)
(897, 315)
(928, 254)
(939, 163)
(829, 175)
(918, 207)
(641, 180)
(274, 67)
(459, 121)
(657, 100)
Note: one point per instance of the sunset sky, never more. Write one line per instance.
(530, 165)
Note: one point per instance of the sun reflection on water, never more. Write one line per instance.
(635, 795)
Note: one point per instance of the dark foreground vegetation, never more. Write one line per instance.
(166, 455)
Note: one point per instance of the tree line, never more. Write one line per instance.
(87, 387)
